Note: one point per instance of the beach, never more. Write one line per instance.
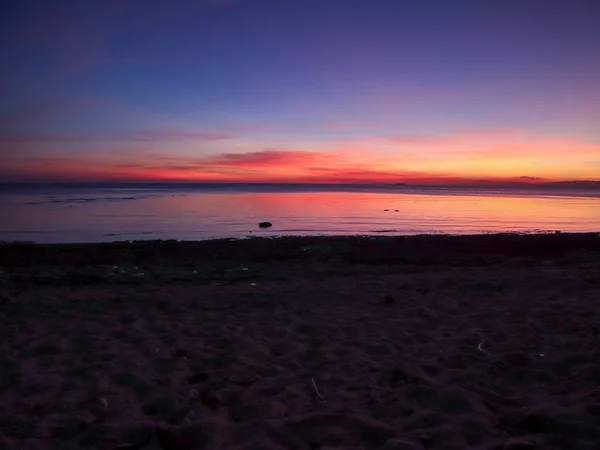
(345, 342)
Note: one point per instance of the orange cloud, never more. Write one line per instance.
(493, 153)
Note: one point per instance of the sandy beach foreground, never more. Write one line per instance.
(425, 342)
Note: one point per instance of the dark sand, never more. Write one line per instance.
(482, 342)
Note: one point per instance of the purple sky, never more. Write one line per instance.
(375, 89)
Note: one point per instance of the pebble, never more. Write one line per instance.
(389, 299)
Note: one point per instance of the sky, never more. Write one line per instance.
(318, 91)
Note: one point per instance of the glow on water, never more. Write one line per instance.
(91, 217)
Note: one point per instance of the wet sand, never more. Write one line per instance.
(426, 342)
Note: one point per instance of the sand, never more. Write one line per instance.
(429, 342)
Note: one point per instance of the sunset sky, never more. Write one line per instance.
(331, 91)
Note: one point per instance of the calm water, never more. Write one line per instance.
(51, 214)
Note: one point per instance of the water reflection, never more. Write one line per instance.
(196, 215)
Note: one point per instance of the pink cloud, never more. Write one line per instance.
(267, 158)
(463, 137)
(235, 163)
(508, 143)
(495, 155)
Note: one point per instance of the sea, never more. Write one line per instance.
(84, 213)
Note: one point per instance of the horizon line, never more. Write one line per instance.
(474, 183)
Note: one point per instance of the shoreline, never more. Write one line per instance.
(418, 342)
(369, 249)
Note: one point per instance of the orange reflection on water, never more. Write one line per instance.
(200, 215)
(435, 213)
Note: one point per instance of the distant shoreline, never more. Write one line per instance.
(585, 184)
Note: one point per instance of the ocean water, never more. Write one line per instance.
(106, 213)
